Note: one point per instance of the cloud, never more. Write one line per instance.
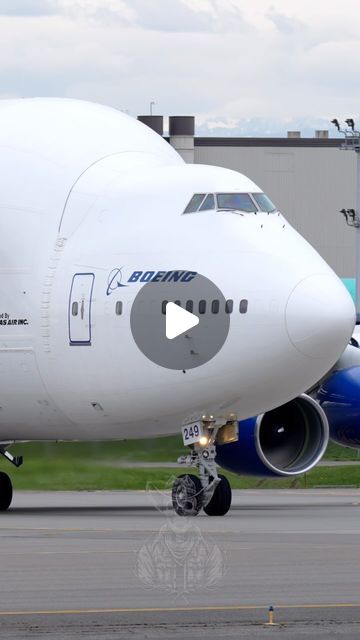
(117, 13)
(171, 16)
(28, 7)
(285, 24)
(233, 60)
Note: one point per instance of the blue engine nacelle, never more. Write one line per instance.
(286, 441)
(339, 396)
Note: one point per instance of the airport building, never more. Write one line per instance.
(309, 179)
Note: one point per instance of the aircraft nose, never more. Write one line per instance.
(320, 316)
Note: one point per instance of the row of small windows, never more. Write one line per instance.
(75, 309)
(213, 307)
(247, 202)
(202, 306)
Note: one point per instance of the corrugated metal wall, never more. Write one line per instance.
(309, 185)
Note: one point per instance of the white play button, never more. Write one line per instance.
(161, 328)
(178, 320)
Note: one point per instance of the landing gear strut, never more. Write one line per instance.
(6, 490)
(210, 491)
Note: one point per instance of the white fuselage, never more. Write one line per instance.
(87, 192)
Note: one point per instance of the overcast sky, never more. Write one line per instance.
(238, 65)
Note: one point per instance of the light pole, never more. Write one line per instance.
(152, 104)
(351, 142)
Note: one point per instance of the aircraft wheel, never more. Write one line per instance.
(187, 495)
(6, 491)
(220, 503)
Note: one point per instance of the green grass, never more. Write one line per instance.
(166, 449)
(91, 466)
(336, 452)
(84, 475)
(62, 475)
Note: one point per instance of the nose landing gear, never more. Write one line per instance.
(209, 491)
(220, 502)
(187, 495)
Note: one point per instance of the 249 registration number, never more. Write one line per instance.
(192, 433)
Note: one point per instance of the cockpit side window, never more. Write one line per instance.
(195, 202)
(235, 202)
(209, 203)
(264, 203)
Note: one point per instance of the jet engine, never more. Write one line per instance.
(286, 441)
(339, 397)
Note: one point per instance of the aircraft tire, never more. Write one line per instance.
(187, 495)
(6, 491)
(220, 503)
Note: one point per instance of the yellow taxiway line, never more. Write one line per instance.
(240, 607)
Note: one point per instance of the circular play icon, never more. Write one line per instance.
(180, 324)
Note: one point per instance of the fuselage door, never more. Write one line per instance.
(80, 309)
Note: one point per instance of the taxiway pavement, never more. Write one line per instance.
(121, 564)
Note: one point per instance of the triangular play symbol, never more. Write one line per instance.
(178, 320)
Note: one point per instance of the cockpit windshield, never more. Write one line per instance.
(209, 203)
(264, 203)
(244, 202)
(195, 202)
(235, 202)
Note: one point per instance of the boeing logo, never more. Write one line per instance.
(115, 278)
(114, 281)
(162, 276)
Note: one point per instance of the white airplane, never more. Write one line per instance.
(93, 206)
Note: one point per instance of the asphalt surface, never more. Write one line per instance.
(120, 565)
